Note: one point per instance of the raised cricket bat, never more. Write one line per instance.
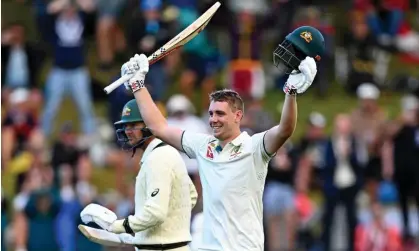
(182, 38)
(106, 238)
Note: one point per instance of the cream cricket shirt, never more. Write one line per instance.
(232, 183)
(164, 197)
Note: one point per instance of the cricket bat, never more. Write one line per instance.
(106, 238)
(175, 43)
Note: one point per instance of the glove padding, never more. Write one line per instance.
(99, 215)
(300, 82)
(137, 68)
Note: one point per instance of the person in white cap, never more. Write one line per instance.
(19, 126)
(368, 122)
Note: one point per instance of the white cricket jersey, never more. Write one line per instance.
(164, 198)
(232, 186)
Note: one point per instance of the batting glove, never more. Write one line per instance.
(137, 67)
(298, 83)
(99, 215)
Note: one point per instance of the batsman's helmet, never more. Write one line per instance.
(131, 114)
(302, 42)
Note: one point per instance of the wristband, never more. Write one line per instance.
(289, 90)
(136, 85)
(127, 228)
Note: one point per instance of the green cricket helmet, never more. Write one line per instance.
(131, 114)
(302, 42)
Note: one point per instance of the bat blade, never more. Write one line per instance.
(175, 43)
(106, 238)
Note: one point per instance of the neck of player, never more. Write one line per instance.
(234, 135)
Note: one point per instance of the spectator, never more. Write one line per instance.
(64, 27)
(66, 151)
(110, 38)
(35, 177)
(20, 126)
(279, 201)
(342, 176)
(355, 57)
(20, 64)
(384, 18)
(147, 31)
(310, 150)
(41, 210)
(405, 139)
(66, 220)
(377, 236)
(368, 121)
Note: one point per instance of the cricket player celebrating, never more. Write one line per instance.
(164, 193)
(232, 164)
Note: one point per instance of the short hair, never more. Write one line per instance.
(229, 96)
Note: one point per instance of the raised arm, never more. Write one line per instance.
(278, 135)
(152, 116)
(155, 121)
(297, 83)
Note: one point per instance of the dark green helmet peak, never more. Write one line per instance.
(302, 42)
(130, 113)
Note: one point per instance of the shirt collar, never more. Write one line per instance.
(150, 148)
(238, 140)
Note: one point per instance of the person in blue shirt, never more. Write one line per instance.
(64, 28)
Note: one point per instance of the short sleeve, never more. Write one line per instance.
(260, 154)
(192, 142)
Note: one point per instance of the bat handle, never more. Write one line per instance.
(110, 88)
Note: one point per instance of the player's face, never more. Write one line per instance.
(223, 120)
(133, 132)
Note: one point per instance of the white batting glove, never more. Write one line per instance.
(137, 67)
(298, 83)
(99, 215)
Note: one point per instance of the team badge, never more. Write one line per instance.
(235, 152)
(126, 111)
(306, 35)
(210, 154)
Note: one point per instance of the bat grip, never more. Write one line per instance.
(110, 88)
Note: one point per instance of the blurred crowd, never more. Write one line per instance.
(368, 165)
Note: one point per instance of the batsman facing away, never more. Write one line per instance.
(232, 164)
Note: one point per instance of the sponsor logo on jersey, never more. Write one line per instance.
(155, 192)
